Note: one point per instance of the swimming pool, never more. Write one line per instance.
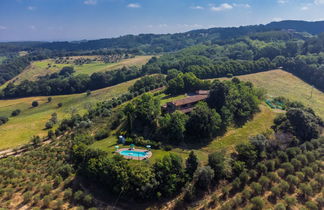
(133, 153)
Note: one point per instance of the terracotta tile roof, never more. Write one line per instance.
(186, 110)
(189, 100)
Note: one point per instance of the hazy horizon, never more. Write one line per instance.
(62, 20)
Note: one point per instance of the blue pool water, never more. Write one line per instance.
(133, 153)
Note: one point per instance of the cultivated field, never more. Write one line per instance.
(48, 66)
(31, 121)
(282, 83)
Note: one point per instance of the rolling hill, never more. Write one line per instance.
(48, 66)
(282, 83)
(32, 121)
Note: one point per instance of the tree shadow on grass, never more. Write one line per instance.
(107, 200)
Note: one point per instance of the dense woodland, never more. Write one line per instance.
(244, 55)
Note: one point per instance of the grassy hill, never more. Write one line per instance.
(282, 83)
(48, 66)
(31, 121)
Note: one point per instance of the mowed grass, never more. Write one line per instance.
(282, 83)
(99, 67)
(48, 66)
(31, 121)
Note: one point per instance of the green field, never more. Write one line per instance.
(282, 83)
(48, 66)
(31, 121)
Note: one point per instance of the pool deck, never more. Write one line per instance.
(149, 154)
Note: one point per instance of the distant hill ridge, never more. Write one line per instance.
(156, 43)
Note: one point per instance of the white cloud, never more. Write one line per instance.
(190, 25)
(31, 8)
(197, 7)
(304, 8)
(318, 2)
(162, 25)
(90, 2)
(242, 5)
(3, 28)
(282, 1)
(222, 7)
(277, 19)
(133, 5)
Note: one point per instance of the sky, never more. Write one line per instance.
(59, 20)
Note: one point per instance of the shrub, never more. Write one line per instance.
(47, 188)
(280, 206)
(49, 125)
(50, 134)
(244, 177)
(27, 197)
(308, 171)
(87, 200)
(15, 112)
(46, 200)
(246, 194)
(167, 147)
(236, 184)
(300, 175)
(262, 168)
(320, 202)
(3, 120)
(270, 165)
(290, 201)
(284, 186)
(265, 182)
(311, 205)
(58, 180)
(101, 134)
(292, 180)
(257, 188)
(204, 177)
(296, 163)
(49, 99)
(257, 202)
(78, 195)
(88, 93)
(190, 193)
(68, 193)
(253, 174)
(59, 105)
(36, 140)
(273, 176)
(281, 172)
(276, 191)
(289, 168)
(305, 190)
(35, 104)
